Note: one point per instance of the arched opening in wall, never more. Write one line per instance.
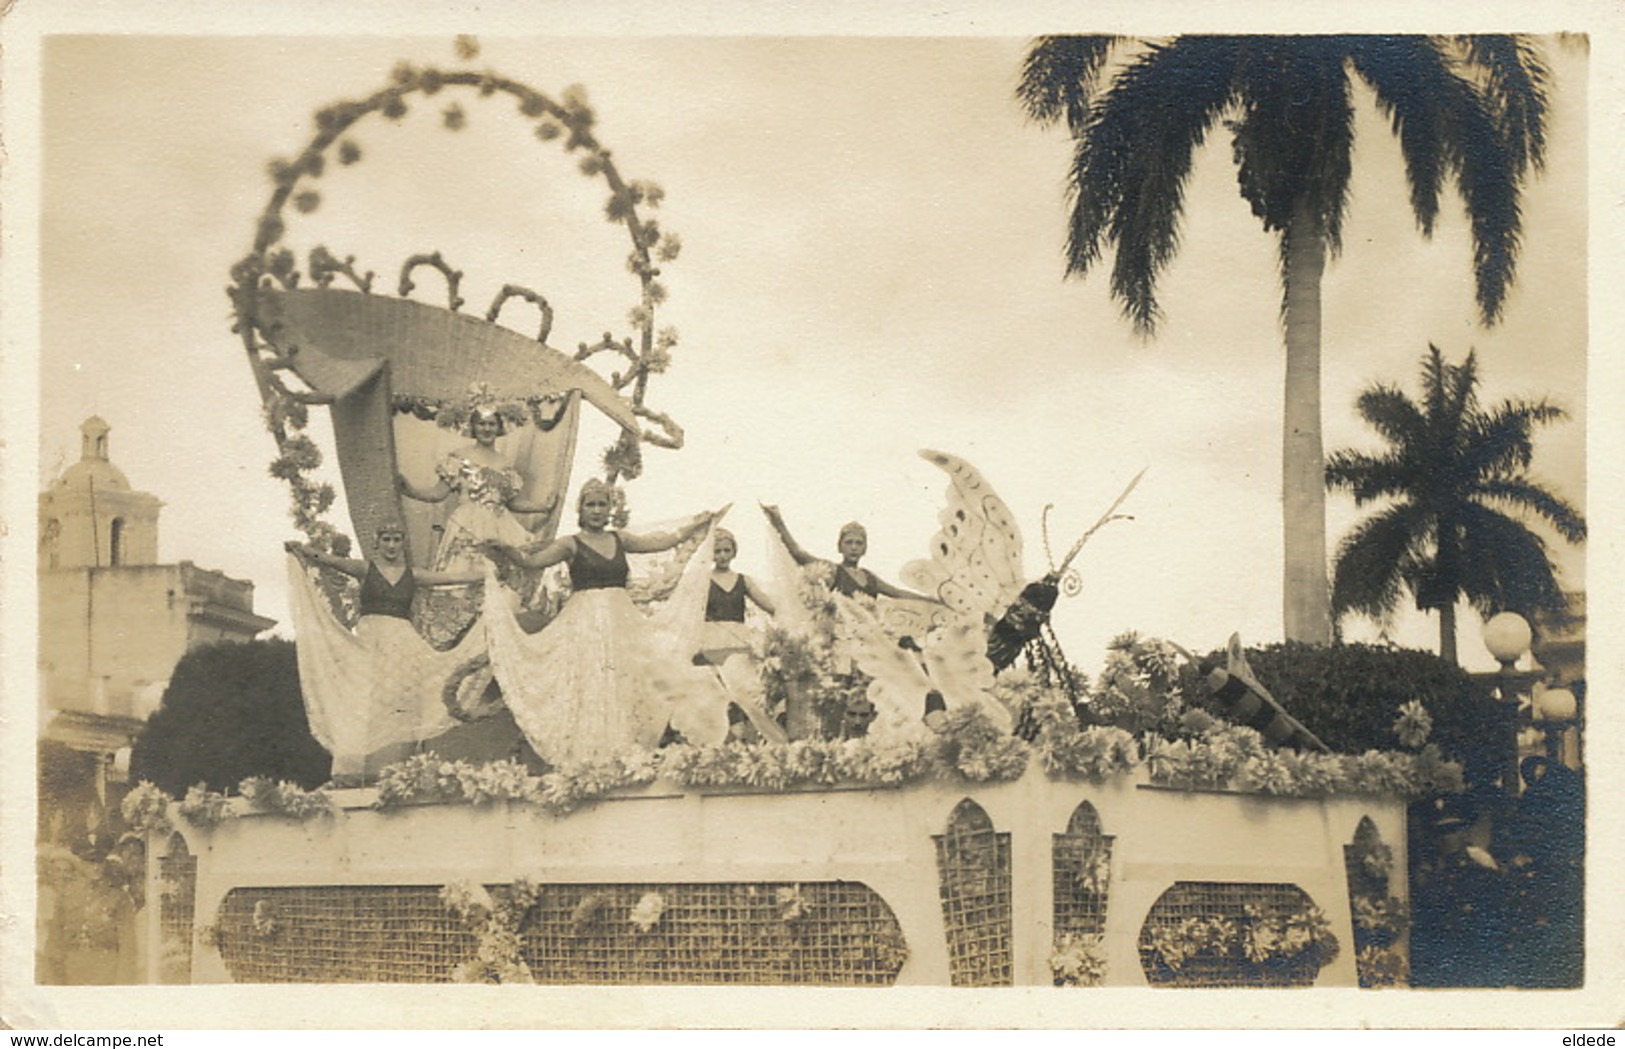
(973, 872)
(1080, 860)
(1381, 955)
(115, 542)
(50, 543)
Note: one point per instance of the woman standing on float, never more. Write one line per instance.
(725, 601)
(376, 690)
(848, 578)
(602, 675)
(488, 490)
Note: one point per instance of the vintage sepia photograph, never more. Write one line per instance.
(677, 521)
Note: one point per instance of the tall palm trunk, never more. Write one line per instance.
(1447, 632)
(1307, 591)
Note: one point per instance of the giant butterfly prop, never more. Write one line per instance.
(975, 569)
(991, 614)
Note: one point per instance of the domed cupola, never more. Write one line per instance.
(94, 469)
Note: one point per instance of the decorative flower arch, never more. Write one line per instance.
(271, 267)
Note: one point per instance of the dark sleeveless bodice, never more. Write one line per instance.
(590, 570)
(726, 606)
(381, 598)
(845, 584)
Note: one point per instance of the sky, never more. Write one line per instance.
(872, 265)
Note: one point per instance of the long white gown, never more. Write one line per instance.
(604, 675)
(377, 686)
(480, 515)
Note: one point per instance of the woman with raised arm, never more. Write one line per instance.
(848, 578)
(602, 675)
(725, 642)
(376, 690)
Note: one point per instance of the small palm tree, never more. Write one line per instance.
(1468, 110)
(1452, 471)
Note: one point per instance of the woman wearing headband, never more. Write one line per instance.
(489, 492)
(726, 601)
(602, 675)
(849, 579)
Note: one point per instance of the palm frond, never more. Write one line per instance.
(1059, 78)
(1376, 561)
(1130, 168)
(1511, 568)
(1392, 414)
(1451, 128)
(1370, 477)
(1500, 441)
(1524, 494)
(1404, 72)
(1516, 81)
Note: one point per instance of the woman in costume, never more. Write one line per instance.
(725, 642)
(604, 675)
(376, 690)
(489, 494)
(848, 579)
(725, 602)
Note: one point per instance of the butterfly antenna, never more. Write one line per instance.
(1109, 516)
(1043, 525)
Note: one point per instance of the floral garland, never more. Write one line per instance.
(148, 809)
(428, 778)
(1257, 938)
(1210, 755)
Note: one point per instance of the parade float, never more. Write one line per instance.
(1156, 823)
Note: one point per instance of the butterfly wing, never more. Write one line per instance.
(898, 683)
(956, 659)
(975, 562)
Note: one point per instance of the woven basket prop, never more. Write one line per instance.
(375, 361)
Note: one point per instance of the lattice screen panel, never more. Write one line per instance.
(1081, 862)
(177, 898)
(827, 933)
(341, 934)
(973, 871)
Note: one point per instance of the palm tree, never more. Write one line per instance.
(1468, 110)
(1451, 471)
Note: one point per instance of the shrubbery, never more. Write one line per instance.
(1350, 695)
(231, 712)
